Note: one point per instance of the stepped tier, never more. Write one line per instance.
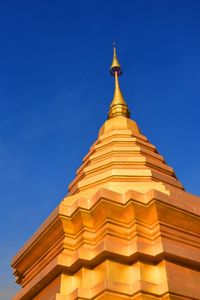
(115, 246)
(122, 154)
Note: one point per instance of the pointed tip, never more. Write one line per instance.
(115, 66)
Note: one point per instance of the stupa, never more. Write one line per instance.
(127, 229)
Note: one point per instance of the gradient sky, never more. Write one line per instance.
(55, 90)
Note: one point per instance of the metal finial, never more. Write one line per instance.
(115, 63)
(118, 106)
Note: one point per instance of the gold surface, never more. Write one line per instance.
(114, 242)
(118, 106)
(126, 229)
(115, 63)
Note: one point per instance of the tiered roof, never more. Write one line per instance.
(126, 229)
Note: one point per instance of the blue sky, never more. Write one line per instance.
(55, 90)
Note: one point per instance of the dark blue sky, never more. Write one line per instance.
(55, 90)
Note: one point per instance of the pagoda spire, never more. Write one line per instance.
(118, 106)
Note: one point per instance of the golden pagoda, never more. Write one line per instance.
(127, 229)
